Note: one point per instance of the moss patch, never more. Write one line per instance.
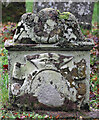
(64, 15)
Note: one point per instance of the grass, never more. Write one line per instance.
(95, 17)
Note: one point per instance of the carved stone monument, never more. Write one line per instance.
(83, 11)
(49, 62)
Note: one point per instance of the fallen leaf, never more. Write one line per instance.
(5, 66)
(57, 116)
(2, 54)
(29, 115)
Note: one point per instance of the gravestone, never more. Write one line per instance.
(82, 10)
(49, 62)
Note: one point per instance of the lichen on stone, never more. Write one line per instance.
(64, 15)
(49, 26)
(47, 76)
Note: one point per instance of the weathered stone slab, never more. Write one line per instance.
(82, 10)
(49, 62)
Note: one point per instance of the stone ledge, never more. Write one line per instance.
(46, 47)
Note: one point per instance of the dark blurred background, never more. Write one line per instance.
(13, 11)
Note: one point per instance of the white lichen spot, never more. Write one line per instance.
(72, 36)
(36, 19)
(44, 39)
(66, 72)
(55, 56)
(19, 24)
(65, 27)
(15, 88)
(79, 96)
(51, 23)
(73, 83)
(66, 35)
(70, 31)
(45, 26)
(64, 66)
(68, 83)
(76, 78)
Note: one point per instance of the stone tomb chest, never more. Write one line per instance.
(49, 62)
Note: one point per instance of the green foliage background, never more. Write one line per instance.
(29, 6)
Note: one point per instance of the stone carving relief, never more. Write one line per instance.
(49, 78)
(82, 10)
(50, 26)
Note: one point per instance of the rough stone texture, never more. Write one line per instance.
(53, 73)
(82, 10)
(50, 26)
(48, 65)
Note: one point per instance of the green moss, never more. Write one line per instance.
(64, 15)
(29, 6)
(58, 11)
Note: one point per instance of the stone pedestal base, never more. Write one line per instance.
(73, 115)
(49, 79)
